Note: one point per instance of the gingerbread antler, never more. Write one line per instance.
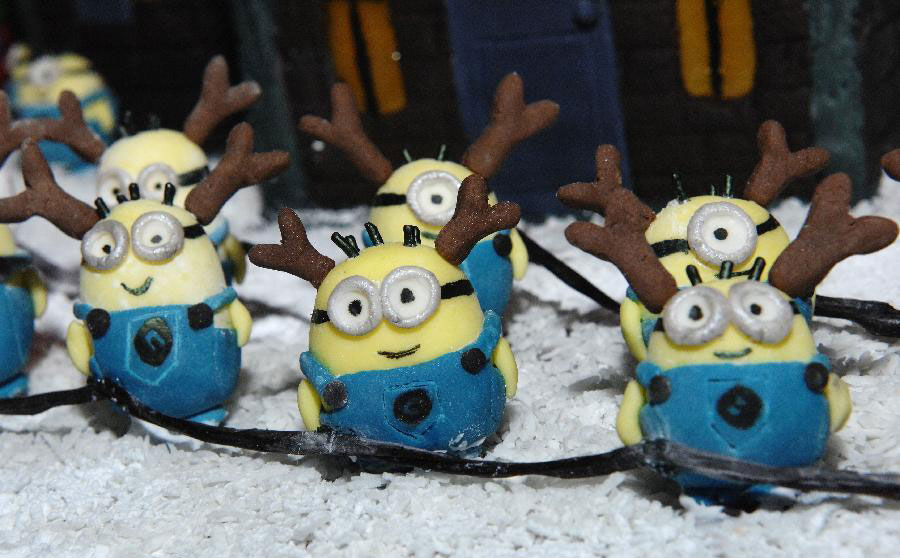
(295, 254)
(238, 168)
(473, 220)
(218, 100)
(70, 129)
(829, 235)
(511, 122)
(621, 240)
(345, 132)
(891, 163)
(778, 165)
(44, 197)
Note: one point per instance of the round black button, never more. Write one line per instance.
(659, 390)
(816, 377)
(740, 407)
(200, 316)
(412, 407)
(334, 396)
(502, 245)
(97, 322)
(473, 361)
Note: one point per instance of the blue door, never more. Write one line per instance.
(564, 52)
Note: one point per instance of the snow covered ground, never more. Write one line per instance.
(70, 485)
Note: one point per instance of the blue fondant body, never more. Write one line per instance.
(465, 407)
(16, 332)
(788, 429)
(490, 273)
(185, 373)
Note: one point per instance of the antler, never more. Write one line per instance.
(345, 132)
(778, 165)
(70, 129)
(239, 167)
(218, 100)
(829, 235)
(295, 254)
(473, 220)
(44, 197)
(511, 122)
(621, 240)
(891, 163)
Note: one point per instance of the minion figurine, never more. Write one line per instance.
(399, 348)
(36, 84)
(731, 366)
(423, 192)
(22, 298)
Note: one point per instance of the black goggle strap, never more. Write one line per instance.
(192, 176)
(194, 231)
(463, 287)
(671, 246)
(381, 200)
(661, 456)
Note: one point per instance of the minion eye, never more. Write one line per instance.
(112, 183)
(153, 178)
(432, 196)
(354, 306)
(44, 71)
(410, 295)
(156, 236)
(105, 245)
(760, 311)
(695, 316)
(720, 232)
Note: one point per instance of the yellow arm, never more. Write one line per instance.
(310, 405)
(236, 254)
(837, 392)
(504, 360)
(628, 422)
(80, 346)
(240, 321)
(30, 280)
(630, 322)
(518, 256)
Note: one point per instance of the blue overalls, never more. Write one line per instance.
(58, 152)
(16, 332)
(217, 237)
(489, 269)
(775, 414)
(451, 403)
(170, 358)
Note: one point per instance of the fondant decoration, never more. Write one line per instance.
(158, 317)
(891, 164)
(36, 84)
(423, 192)
(399, 348)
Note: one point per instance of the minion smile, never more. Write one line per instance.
(733, 354)
(138, 291)
(400, 354)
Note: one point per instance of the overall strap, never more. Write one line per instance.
(218, 301)
(315, 371)
(490, 333)
(82, 309)
(220, 233)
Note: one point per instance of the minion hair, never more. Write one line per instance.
(729, 186)
(726, 271)
(169, 194)
(153, 121)
(440, 156)
(712, 190)
(693, 275)
(374, 234)
(407, 156)
(102, 208)
(411, 235)
(679, 187)
(120, 198)
(346, 243)
(756, 271)
(134, 191)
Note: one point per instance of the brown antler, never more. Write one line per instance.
(621, 240)
(238, 168)
(345, 132)
(829, 235)
(473, 220)
(70, 129)
(218, 100)
(511, 122)
(44, 197)
(778, 165)
(295, 254)
(891, 163)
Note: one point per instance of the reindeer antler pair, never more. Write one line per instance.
(473, 220)
(218, 100)
(511, 122)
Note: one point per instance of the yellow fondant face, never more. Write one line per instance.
(766, 330)
(145, 264)
(151, 159)
(39, 82)
(454, 323)
(430, 187)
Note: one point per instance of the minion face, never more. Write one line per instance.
(150, 159)
(420, 193)
(146, 253)
(391, 306)
(731, 321)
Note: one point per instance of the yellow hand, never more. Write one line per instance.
(80, 346)
(310, 405)
(240, 321)
(236, 254)
(628, 422)
(504, 360)
(630, 321)
(837, 392)
(518, 256)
